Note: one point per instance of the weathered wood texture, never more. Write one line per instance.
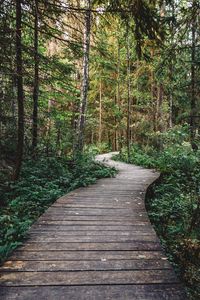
(95, 243)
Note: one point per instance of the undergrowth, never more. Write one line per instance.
(41, 183)
(174, 206)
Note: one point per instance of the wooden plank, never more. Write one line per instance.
(87, 278)
(55, 217)
(87, 265)
(104, 198)
(117, 201)
(130, 213)
(91, 233)
(136, 206)
(95, 211)
(112, 193)
(119, 187)
(43, 246)
(90, 223)
(86, 255)
(124, 228)
(81, 239)
(99, 292)
(104, 205)
(114, 200)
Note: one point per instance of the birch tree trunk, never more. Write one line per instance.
(85, 83)
(100, 111)
(128, 95)
(116, 131)
(119, 132)
(20, 93)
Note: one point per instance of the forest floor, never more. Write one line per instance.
(94, 243)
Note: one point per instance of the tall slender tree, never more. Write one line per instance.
(85, 83)
(128, 57)
(171, 67)
(100, 110)
(193, 75)
(20, 92)
(36, 82)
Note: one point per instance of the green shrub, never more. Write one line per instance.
(98, 148)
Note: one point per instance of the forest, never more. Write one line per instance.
(83, 77)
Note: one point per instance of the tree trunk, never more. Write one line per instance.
(58, 142)
(153, 93)
(159, 124)
(128, 96)
(193, 94)
(1, 114)
(118, 130)
(92, 137)
(171, 71)
(48, 129)
(20, 93)
(36, 83)
(100, 111)
(170, 110)
(85, 83)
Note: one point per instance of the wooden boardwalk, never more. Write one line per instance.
(95, 243)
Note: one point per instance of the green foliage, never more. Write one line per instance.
(41, 183)
(98, 148)
(174, 204)
(137, 156)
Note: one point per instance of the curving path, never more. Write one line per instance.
(95, 243)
